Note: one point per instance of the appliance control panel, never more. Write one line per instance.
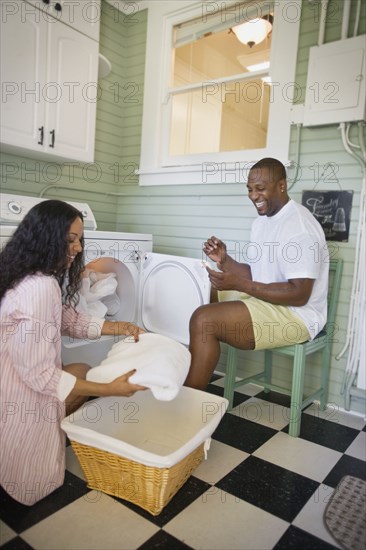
(13, 208)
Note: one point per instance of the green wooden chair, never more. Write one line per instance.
(299, 352)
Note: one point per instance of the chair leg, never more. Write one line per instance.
(267, 368)
(325, 377)
(297, 391)
(230, 375)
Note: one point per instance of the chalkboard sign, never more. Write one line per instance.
(332, 209)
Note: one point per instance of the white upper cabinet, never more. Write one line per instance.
(23, 77)
(71, 108)
(49, 75)
(82, 15)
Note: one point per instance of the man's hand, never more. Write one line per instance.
(216, 251)
(222, 280)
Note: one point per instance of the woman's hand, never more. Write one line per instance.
(121, 386)
(129, 329)
(122, 328)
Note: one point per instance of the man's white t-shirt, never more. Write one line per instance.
(291, 245)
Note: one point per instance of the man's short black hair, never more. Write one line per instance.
(276, 168)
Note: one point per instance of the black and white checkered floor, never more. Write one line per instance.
(259, 489)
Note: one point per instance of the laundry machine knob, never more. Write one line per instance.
(14, 207)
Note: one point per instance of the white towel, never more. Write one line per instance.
(161, 364)
(97, 295)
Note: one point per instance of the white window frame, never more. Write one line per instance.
(156, 168)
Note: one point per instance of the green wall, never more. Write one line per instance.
(182, 217)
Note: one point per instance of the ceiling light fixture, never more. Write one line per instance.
(255, 31)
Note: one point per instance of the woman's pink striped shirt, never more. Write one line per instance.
(32, 450)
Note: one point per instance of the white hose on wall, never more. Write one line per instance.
(355, 340)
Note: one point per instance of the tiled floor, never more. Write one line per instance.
(259, 489)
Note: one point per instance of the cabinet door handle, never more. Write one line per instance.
(46, 1)
(41, 135)
(58, 6)
(52, 144)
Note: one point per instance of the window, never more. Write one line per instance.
(217, 105)
(216, 102)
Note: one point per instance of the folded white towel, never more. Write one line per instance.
(161, 364)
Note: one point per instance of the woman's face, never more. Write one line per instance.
(74, 237)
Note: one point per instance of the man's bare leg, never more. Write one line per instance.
(228, 322)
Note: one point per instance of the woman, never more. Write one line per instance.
(44, 256)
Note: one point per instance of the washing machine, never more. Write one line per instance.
(159, 292)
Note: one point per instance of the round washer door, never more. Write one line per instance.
(171, 291)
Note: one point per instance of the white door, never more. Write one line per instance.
(72, 73)
(23, 64)
(171, 288)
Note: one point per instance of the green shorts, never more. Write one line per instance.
(274, 326)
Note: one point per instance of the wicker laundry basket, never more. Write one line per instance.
(149, 487)
(148, 460)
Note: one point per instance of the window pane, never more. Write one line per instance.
(216, 56)
(220, 117)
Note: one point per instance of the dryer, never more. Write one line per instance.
(122, 254)
(159, 292)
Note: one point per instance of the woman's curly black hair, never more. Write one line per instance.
(40, 244)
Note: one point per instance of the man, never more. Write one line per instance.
(279, 295)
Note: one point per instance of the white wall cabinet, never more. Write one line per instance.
(49, 88)
(82, 15)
